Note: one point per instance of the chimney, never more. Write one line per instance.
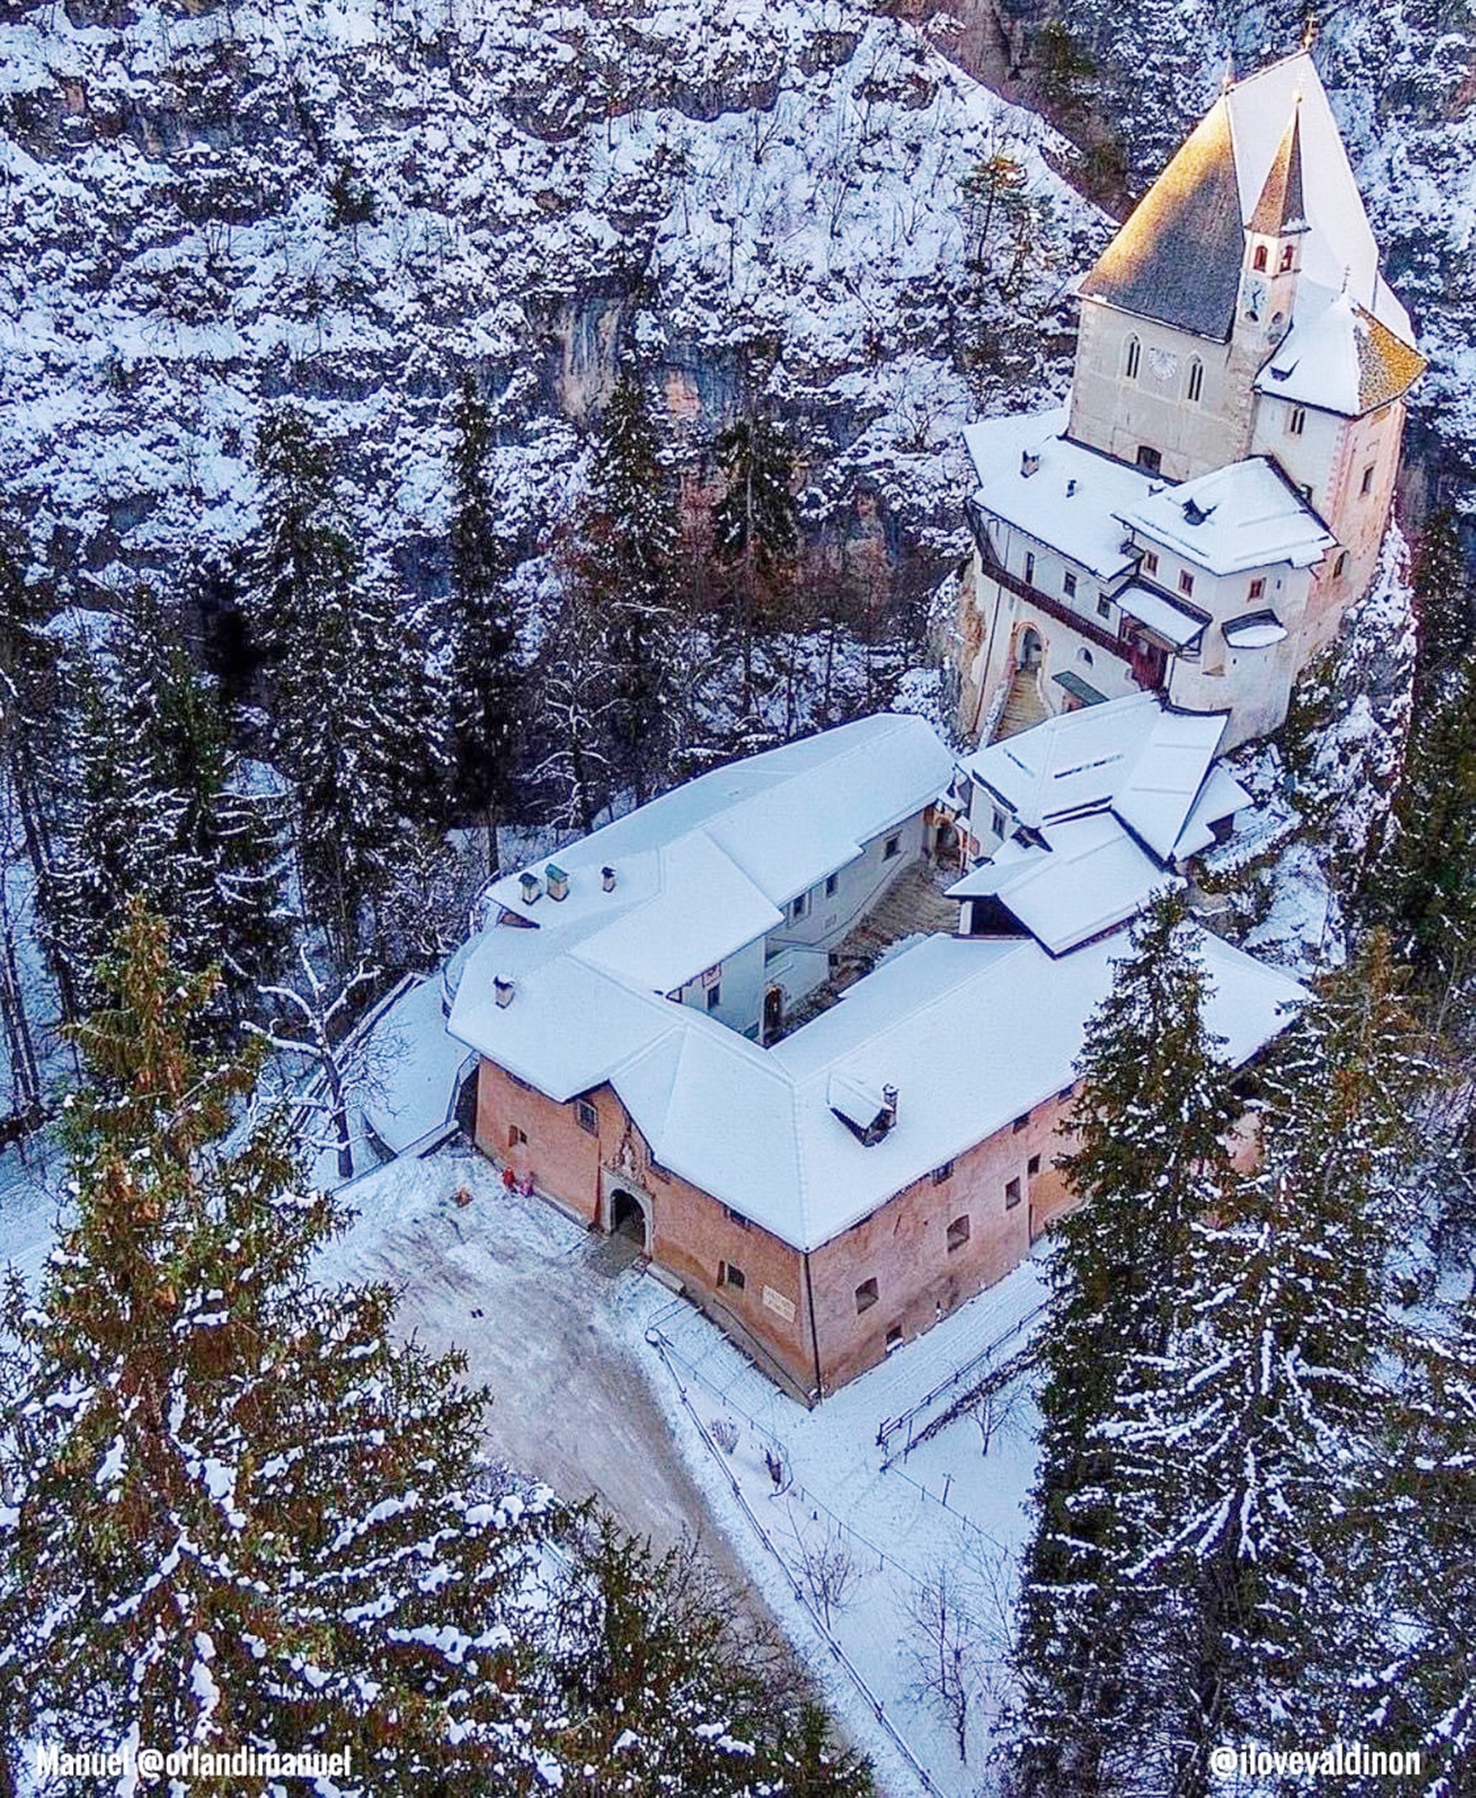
(558, 881)
(504, 990)
(1029, 464)
(532, 886)
(1070, 488)
(889, 1106)
(607, 879)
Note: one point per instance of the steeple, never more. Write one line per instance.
(1281, 210)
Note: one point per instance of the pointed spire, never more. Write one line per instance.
(1280, 209)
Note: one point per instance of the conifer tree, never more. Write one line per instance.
(576, 691)
(634, 537)
(1151, 1117)
(486, 684)
(646, 1654)
(1249, 1448)
(157, 805)
(359, 728)
(1425, 1694)
(1424, 887)
(755, 532)
(241, 1515)
(27, 749)
(1444, 598)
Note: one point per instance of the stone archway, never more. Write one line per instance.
(1029, 649)
(628, 1217)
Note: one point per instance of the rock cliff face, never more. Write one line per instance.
(206, 206)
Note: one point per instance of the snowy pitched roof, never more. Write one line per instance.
(1268, 149)
(971, 1033)
(1339, 356)
(1178, 257)
(1090, 877)
(1245, 515)
(1070, 500)
(1134, 756)
(1111, 795)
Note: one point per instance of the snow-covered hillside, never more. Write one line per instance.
(206, 206)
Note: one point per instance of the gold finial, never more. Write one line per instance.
(1309, 31)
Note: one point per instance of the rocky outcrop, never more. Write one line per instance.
(211, 205)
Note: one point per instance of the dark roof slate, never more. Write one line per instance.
(1178, 258)
(1281, 208)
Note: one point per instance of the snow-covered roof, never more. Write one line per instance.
(1072, 499)
(1254, 630)
(1090, 878)
(1339, 356)
(1245, 515)
(1268, 155)
(971, 1032)
(1135, 756)
(1220, 797)
(1174, 622)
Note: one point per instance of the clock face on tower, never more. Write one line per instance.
(1255, 295)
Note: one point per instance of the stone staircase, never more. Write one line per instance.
(1023, 708)
(913, 904)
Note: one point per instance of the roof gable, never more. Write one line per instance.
(1178, 257)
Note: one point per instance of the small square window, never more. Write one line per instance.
(1104, 607)
(1258, 589)
(894, 1338)
(1368, 475)
(1186, 581)
(798, 906)
(589, 1118)
(1012, 1194)
(714, 997)
(1150, 562)
(1020, 1122)
(996, 820)
(729, 1275)
(516, 1137)
(1068, 583)
(958, 1233)
(832, 881)
(942, 1173)
(866, 1296)
(893, 848)
(1032, 1167)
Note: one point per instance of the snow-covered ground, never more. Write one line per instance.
(603, 1382)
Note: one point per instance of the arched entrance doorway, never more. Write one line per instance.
(773, 1012)
(627, 1216)
(1031, 648)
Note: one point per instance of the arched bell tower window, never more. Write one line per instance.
(1286, 259)
(1134, 356)
(1260, 261)
(1196, 379)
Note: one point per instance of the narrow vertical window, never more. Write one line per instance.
(1134, 353)
(1196, 379)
